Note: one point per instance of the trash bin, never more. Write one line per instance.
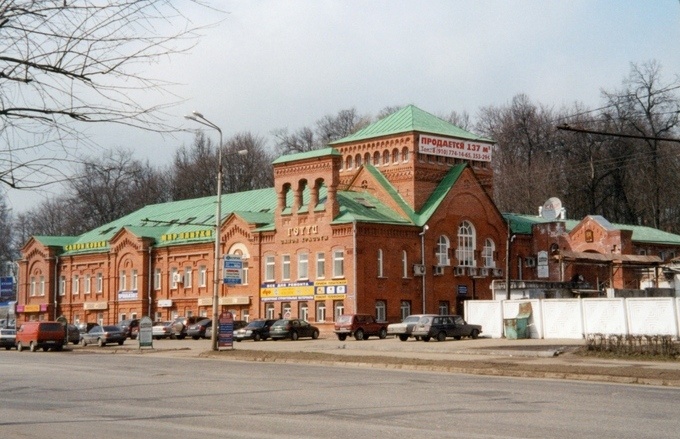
(518, 327)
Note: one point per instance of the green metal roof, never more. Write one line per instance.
(176, 222)
(408, 119)
(522, 224)
(55, 241)
(306, 155)
(365, 208)
(433, 202)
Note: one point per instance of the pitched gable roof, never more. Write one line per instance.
(409, 119)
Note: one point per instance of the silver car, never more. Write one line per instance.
(404, 329)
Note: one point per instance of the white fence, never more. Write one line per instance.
(576, 318)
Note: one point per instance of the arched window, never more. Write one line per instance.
(465, 253)
(386, 157)
(395, 155)
(376, 158)
(357, 160)
(367, 158)
(348, 163)
(442, 252)
(404, 154)
(488, 253)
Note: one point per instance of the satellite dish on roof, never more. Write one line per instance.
(551, 209)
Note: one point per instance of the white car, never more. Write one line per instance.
(404, 329)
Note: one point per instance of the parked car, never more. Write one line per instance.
(72, 334)
(440, 327)
(181, 325)
(238, 324)
(130, 327)
(8, 338)
(103, 335)
(41, 335)
(361, 326)
(85, 327)
(293, 329)
(256, 330)
(404, 330)
(162, 330)
(197, 330)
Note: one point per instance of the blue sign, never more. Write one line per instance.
(6, 287)
(232, 270)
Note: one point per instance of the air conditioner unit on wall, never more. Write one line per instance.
(418, 270)
(497, 272)
(459, 271)
(484, 272)
(472, 271)
(177, 278)
(438, 270)
(530, 261)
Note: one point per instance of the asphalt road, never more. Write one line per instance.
(100, 394)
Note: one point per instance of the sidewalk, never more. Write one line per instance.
(535, 358)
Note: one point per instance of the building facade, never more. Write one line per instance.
(393, 220)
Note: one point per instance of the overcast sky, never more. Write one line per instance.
(285, 64)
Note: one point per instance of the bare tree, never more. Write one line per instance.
(650, 108)
(526, 142)
(111, 187)
(64, 63)
(328, 129)
(194, 171)
(251, 171)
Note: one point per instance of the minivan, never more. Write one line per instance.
(45, 335)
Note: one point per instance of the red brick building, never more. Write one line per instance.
(393, 220)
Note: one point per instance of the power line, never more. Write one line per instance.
(566, 127)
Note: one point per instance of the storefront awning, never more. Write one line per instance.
(595, 258)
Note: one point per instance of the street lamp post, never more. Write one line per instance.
(198, 117)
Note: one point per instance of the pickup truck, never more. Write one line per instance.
(361, 326)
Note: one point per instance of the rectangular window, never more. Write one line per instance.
(303, 266)
(75, 286)
(244, 273)
(122, 281)
(338, 263)
(380, 263)
(100, 283)
(174, 276)
(62, 285)
(285, 267)
(443, 308)
(33, 286)
(42, 286)
(380, 310)
(133, 280)
(320, 265)
(88, 284)
(202, 276)
(187, 277)
(405, 309)
(157, 279)
(269, 265)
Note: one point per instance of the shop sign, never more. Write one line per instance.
(6, 287)
(167, 303)
(456, 148)
(226, 330)
(272, 292)
(205, 301)
(95, 305)
(128, 295)
(462, 290)
(234, 300)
